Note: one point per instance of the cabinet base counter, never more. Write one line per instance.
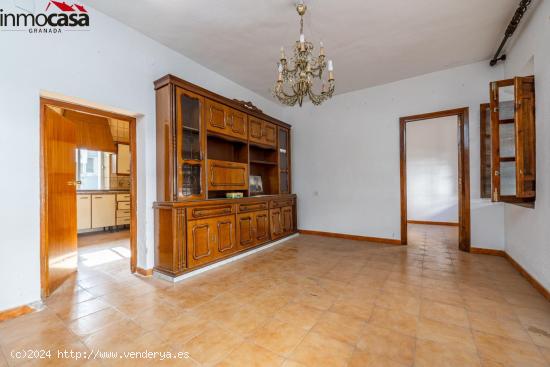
(194, 234)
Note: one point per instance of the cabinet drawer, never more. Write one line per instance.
(122, 213)
(210, 211)
(122, 221)
(122, 197)
(123, 205)
(224, 175)
(252, 207)
(281, 203)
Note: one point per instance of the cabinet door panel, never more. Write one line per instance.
(245, 229)
(191, 141)
(103, 210)
(276, 223)
(261, 226)
(255, 129)
(123, 159)
(216, 116)
(269, 134)
(287, 215)
(226, 235)
(84, 211)
(200, 242)
(238, 124)
(227, 175)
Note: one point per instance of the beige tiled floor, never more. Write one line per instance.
(312, 301)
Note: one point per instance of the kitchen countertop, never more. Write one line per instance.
(116, 191)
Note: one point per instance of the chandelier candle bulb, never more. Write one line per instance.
(321, 49)
(282, 53)
(330, 67)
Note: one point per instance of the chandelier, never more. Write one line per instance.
(297, 81)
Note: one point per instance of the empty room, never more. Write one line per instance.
(297, 183)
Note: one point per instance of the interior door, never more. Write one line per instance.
(59, 236)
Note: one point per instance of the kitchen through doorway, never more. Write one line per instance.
(88, 195)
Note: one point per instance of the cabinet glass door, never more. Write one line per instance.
(190, 144)
(284, 162)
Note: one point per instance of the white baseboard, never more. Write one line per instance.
(220, 263)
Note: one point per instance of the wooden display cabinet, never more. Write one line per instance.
(512, 139)
(207, 146)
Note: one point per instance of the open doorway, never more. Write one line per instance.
(88, 193)
(428, 195)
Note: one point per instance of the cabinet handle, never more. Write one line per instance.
(98, 197)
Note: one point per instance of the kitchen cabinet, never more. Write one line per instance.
(123, 159)
(103, 210)
(83, 212)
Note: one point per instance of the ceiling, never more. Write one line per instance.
(371, 42)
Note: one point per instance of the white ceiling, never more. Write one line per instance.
(371, 42)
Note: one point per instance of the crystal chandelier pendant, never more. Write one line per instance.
(297, 75)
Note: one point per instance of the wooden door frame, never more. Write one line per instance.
(463, 128)
(45, 291)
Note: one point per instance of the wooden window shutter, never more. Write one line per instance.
(525, 136)
(485, 150)
(495, 142)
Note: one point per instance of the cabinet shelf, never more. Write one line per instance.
(192, 129)
(507, 159)
(263, 162)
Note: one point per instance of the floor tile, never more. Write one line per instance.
(319, 351)
(508, 352)
(402, 322)
(212, 345)
(445, 333)
(278, 336)
(444, 313)
(386, 343)
(249, 354)
(299, 315)
(366, 359)
(340, 327)
(505, 327)
(434, 354)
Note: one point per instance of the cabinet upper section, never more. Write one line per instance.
(209, 145)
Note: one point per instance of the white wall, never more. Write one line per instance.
(346, 153)
(111, 65)
(432, 170)
(528, 230)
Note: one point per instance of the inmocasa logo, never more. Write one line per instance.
(56, 17)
